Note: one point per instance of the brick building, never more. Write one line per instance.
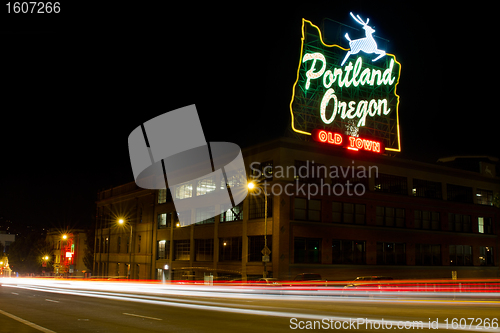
(331, 211)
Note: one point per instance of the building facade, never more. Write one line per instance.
(331, 211)
(67, 254)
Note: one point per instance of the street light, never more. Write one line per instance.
(122, 222)
(265, 250)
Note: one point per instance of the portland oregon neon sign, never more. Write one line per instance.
(347, 91)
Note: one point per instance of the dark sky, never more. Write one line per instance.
(75, 84)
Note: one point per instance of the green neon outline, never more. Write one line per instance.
(344, 49)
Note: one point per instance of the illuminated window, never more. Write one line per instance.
(232, 213)
(164, 220)
(460, 255)
(484, 197)
(484, 225)
(348, 252)
(486, 256)
(184, 191)
(307, 250)
(427, 255)
(391, 253)
(205, 185)
(162, 196)
(163, 251)
(182, 249)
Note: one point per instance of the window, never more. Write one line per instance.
(459, 193)
(256, 206)
(310, 172)
(182, 249)
(460, 255)
(459, 223)
(204, 249)
(205, 215)
(348, 252)
(139, 244)
(426, 189)
(164, 220)
(232, 213)
(164, 196)
(343, 212)
(486, 256)
(427, 220)
(262, 171)
(391, 184)
(184, 191)
(119, 244)
(484, 225)
(230, 249)
(484, 197)
(307, 210)
(307, 250)
(256, 245)
(427, 255)
(391, 253)
(390, 217)
(205, 185)
(163, 250)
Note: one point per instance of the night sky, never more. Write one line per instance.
(75, 84)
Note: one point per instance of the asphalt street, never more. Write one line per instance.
(27, 308)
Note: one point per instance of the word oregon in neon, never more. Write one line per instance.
(351, 75)
(359, 94)
(344, 78)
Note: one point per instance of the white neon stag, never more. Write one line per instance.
(367, 44)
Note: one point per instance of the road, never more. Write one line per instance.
(100, 307)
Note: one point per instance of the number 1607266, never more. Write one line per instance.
(33, 7)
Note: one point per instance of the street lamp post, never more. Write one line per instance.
(265, 251)
(122, 222)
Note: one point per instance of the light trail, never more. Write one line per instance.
(69, 289)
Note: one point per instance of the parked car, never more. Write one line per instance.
(368, 282)
(269, 281)
(308, 277)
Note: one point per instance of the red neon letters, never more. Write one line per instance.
(349, 142)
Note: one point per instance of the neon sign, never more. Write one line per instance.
(347, 141)
(347, 95)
